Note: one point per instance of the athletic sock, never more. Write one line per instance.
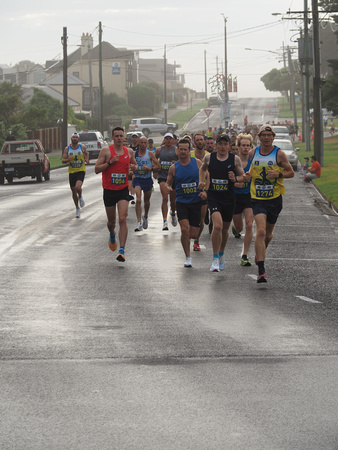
(261, 268)
(221, 254)
(216, 255)
(121, 251)
(244, 257)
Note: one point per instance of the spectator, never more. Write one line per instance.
(304, 167)
(315, 170)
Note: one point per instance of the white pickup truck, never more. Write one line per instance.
(20, 159)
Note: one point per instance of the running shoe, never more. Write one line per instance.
(196, 246)
(82, 202)
(262, 278)
(245, 262)
(215, 265)
(235, 233)
(188, 261)
(165, 225)
(221, 262)
(145, 222)
(120, 257)
(78, 213)
(112, 242)
(139, 227)
(173, 220)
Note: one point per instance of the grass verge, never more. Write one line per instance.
(182, 117)
(327, 183)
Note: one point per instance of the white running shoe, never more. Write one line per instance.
(78, 213)
(188, 261)
(145, 222)
(221, 263)
(165, 225)
(82, 202)
(139, 227)
(215, 265)
(174, 220)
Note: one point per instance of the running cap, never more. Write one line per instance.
(266, 127)
(223, 137)
(76, 135)
(169, 135)
(134, 134)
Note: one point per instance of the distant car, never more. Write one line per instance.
(214, 100)
(20, 159)
(94, 141)
(130, 133)
(282, 132)
(290, 151)
(150, 125)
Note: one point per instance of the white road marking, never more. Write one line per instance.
(307, 299)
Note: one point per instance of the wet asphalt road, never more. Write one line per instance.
(150, 355)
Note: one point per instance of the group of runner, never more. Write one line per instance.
(194, 176)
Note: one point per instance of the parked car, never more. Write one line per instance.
(214, 100)
(24, 159)
(94, 141)
(282, 132)
(290, 151)
(150, 125)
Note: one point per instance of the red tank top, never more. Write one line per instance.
(115, 177)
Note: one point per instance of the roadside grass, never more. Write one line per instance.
(285, 111)
(182, 117)
(55, 161)
(328, 182)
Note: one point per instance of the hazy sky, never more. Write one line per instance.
(33, 30)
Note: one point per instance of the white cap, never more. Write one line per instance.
(169, 135)
(75, 135)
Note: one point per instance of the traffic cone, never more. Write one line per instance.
(300, 136)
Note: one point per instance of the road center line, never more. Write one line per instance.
(307, 299)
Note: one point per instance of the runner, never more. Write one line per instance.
(221, 166)
(269, 166)
(199, 153)
(76, 155)
(243, 199)
(185, 171)
(142, 181)
(113, 162)
(166, 154)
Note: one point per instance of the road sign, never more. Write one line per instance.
(208, 112)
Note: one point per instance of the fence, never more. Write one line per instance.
(51, 138)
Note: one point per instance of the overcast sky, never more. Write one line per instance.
(33, 30)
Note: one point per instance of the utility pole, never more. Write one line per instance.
(292, 90)
(90, 78)
(317, 101)
(307, 58)
(100, 77)
(205, 75)
(65, 90)
(226, 94)
(165, 85)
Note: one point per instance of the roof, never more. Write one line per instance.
(29, 92)
(57, 80)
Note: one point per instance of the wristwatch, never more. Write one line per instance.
(108, 162)
(280, 175)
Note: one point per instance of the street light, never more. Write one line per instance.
(226, 95)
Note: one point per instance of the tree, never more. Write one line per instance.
(42, 110)
(142, 96)
(276, 80)
(330, 89)
(111, 101)
(11, 105)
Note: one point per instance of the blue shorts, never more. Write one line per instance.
(271, 208)
(146, 184)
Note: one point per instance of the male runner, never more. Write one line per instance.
(243, 199)
(142, 181)
(199, 152)
(269, 166)
(166, 154)
(221, 166)
(76, 155)
(113, 162)
(188, 197)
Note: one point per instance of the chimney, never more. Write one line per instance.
(87, 42)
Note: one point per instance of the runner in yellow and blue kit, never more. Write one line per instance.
(269, 165)
(76, 155)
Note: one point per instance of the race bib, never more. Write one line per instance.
(118, 178)
(219, 185)
(189, 188)
(264, 191)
